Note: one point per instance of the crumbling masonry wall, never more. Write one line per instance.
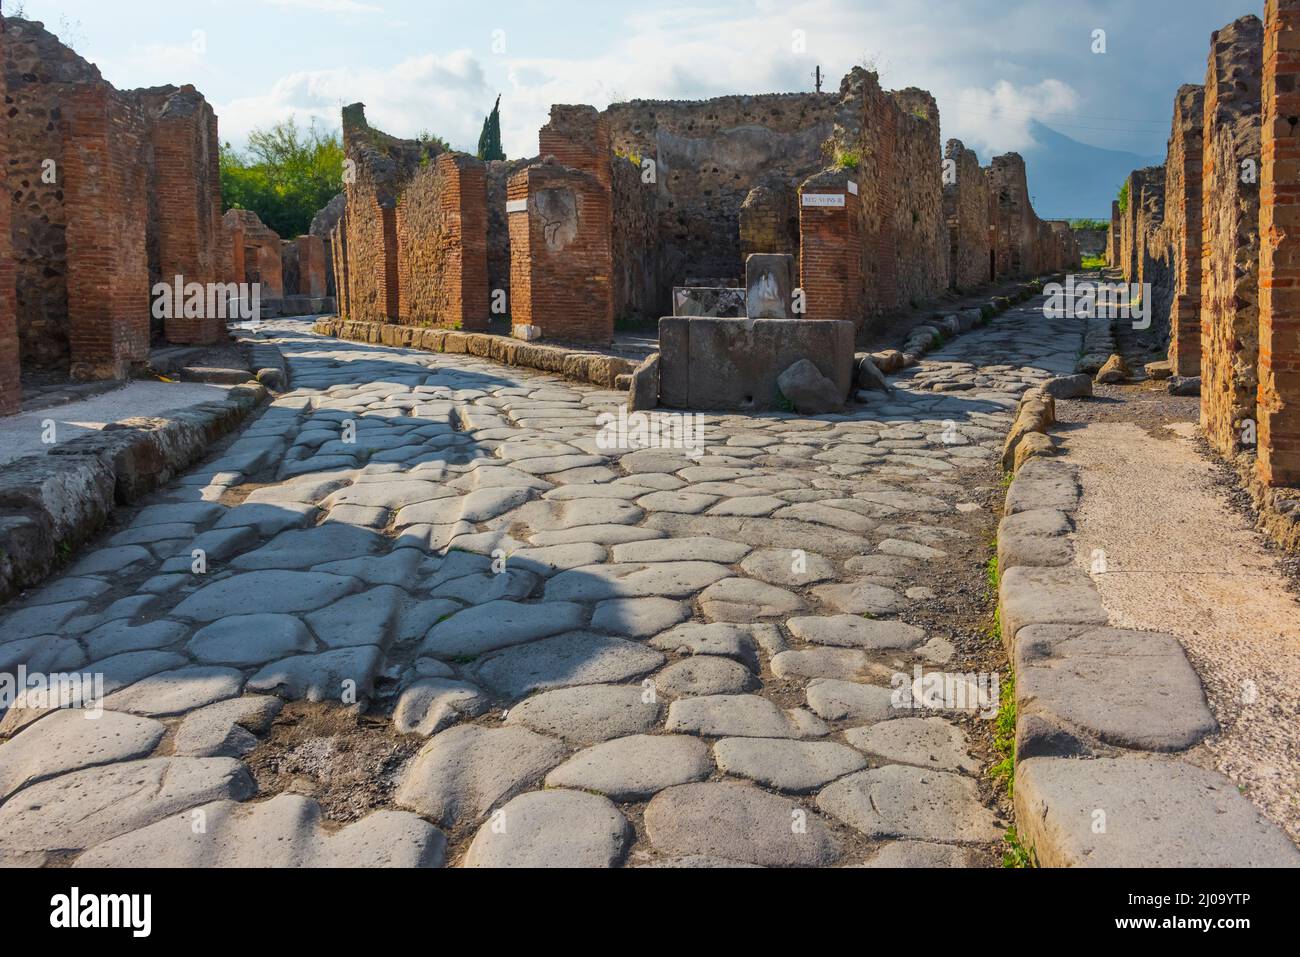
(10, 385)
(1230, 243)
(966, 209)
(1176, 305)
(412, 243)
(442, 245)
(635, 243)
(256, 252)
(1112, 236)
(1279, 268)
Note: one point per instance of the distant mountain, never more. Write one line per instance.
(1072, 180)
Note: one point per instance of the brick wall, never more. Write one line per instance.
(1230, 234)
(561, 258)
(1279, 268)
(256, 256)
(579, 138)
(832, 245)
(323, 225)
(105, 199)
(1112, 236)
(498, 231)
(10, 387)
(966, 210)
(441, 223)
(311, 267)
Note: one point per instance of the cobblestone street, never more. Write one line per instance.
(553, 651)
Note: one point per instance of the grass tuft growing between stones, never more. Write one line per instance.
(992, 577)
(1004, 734)
(1017, 855)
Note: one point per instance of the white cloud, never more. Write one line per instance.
(998, 120)
(436, 93)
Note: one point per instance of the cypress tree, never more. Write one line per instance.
(489, 141)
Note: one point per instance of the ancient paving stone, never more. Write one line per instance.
(924, 742)
(850, 701)
(667, 579)
(270, 592)
(463, 772)
(429, 704)
(548, 515)
(500, 624)
(69, 741)
(251, 640)
(741, 716)
(330, 676)
(286, 831)
(792, 569)
(911, 803)
(362, 619)
(176, 692)
(851, 631)
(40, 620)
(396, 568)
(822, 663)
(743, 599)
(681, 550)
(755, 506)
(738, 823)
(638, 617)
(576, 658)
(902, 549)
(922, 854)
(553, 829)
(88, 807)
(636, 767)
(557, 558)
(588, 714)
(720, 638)
(704, 675)
(1177, 814)
(45, 655)
(227, 729)
(302, 548)
(794, 766)
(767, 532)
(269, 519)
(595, 534)
(859, 598)
(117, 637)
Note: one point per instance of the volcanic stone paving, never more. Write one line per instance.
(609, 656)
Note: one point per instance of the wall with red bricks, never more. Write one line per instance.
(966, 210)
(256, 256)
(1279, 268)
(442, 245)
(498, 233)
(106, 201)
(10, 386)
(830, 231)
(1230, 235)
(561, 256)
(311, 266)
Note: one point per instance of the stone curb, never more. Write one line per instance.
(594, 367)
(1100, 711)
(52, 503)
(943, 328)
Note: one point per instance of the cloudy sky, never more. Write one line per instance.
(994, 65)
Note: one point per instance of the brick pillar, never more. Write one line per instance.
(108, 269)
(186, 231)
(1183, 208)
(830, 242)
(561, 253)
(10, 386)
(1279, 260)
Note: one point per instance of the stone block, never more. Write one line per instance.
(769, 284)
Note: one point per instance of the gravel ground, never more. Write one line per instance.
(1182, 557)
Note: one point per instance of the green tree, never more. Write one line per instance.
(489, 141)
(286, 176)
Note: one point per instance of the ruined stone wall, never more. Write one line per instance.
(323, 225)
(1230, 241)
(1012, 217)
(561, 258)
(1113, 236)
(442, 245)
(709, 156)
(635, 243)
(40, 72)
(1176, 305)
(311, 267)
(966, 209)
(10, 386)
(1279, 271)
(769, 221)
(920, 228)
(1150, 215)
(256, 252)
(1092, 242)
